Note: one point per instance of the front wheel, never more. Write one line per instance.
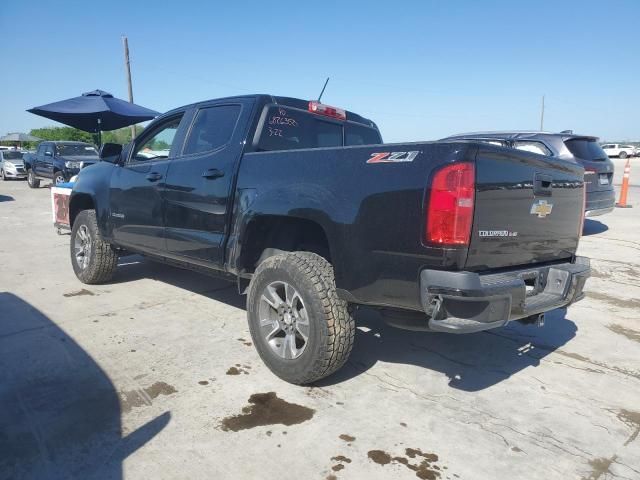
(32, 181)
(623, 154)
(303, 332)
(93, 259)
(4, 179)
(58, 177)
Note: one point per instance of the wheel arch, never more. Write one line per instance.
(266, 235)
(79, 202)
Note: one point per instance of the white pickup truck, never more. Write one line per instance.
(619, 150)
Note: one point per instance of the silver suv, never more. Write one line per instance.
(582, 149)
(12, 165)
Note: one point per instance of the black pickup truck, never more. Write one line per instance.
(58, 161)
(312, 215)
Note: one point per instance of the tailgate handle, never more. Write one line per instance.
(542, 184)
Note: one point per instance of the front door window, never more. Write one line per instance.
(159, 145)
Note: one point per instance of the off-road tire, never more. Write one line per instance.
(103, 259)
(623, 154)
(32, 181)
(332, 327)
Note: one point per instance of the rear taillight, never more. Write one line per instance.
(327, 110)
(450, 205)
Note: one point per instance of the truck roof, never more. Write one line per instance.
(288, 101)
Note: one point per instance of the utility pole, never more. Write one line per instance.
(127, 64)
(542, 115)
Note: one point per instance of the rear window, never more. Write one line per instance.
(360, 135)
(585, 149)
(288, 128)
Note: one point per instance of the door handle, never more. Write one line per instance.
(542, 184)
(154, 176)
(213, 173)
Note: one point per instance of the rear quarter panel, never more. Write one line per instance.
(372, 213)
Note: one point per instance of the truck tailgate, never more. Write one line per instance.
(528, 209)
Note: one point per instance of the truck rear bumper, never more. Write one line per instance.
(465, 302)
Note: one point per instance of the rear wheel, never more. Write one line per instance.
(623, 154)
(93, 259)
(32, 181)
(303, 332)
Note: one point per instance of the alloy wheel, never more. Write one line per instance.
(82, 246)
(284, 321)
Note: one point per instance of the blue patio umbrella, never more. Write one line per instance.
(94, 112)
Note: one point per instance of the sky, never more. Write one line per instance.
(421, 70)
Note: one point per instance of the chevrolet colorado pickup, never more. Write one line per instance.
(305, 207)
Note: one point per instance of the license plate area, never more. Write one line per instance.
(603, 179)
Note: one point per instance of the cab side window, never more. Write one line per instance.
(158, 144)
(212, 128)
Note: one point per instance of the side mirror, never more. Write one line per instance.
(48, 154)
(110, 152)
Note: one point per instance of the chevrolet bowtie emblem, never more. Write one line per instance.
(541, 208)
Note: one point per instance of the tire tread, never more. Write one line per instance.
(337, 314)
(104, 259)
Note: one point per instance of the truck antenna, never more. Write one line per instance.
(325, 86)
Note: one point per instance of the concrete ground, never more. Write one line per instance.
(154, 376)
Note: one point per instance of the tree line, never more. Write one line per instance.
(122, 135)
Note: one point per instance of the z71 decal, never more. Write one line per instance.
(393, 157)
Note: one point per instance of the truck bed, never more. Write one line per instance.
(374, 214)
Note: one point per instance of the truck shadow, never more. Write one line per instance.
(472, 362)
(593, 227)
(60, 415)
(136, 267)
